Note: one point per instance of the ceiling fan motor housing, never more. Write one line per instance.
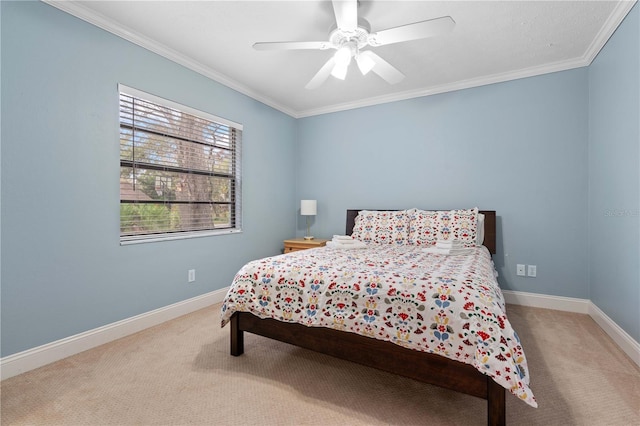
(358, 38)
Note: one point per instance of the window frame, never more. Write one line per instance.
(236, 192)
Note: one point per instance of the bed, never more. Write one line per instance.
(310, 299)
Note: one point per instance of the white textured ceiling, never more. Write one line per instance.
(492, 41)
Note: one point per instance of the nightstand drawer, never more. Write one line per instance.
(296, 244)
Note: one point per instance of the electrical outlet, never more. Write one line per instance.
(532, 270)
(520, 270)
(192, 275)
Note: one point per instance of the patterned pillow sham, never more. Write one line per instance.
(427, 227)
(423, 228)
(459, 225)
(382, 227)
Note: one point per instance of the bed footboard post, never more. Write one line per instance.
(496, 405)
(237, 336)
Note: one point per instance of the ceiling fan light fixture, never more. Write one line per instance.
(343, 55)
(340, 71)
(365, 63)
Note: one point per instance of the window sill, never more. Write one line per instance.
(125, 241)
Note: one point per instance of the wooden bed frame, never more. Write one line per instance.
(422, 366)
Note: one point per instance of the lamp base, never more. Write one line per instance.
(308, 238)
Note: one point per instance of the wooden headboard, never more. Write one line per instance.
(489, 227)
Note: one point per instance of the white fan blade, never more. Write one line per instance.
(423, 29)
(346, 12)
(383, 68)
(321, 75)
(292, 45)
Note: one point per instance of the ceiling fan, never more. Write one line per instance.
(351, 35)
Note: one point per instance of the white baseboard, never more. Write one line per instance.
(31, 359)
(582, 306)
(559, 303)
(621, 337)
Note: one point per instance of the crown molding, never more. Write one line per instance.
(613, 21)
(450, 87)
(109, 25)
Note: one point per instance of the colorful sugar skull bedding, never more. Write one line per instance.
(446, 305)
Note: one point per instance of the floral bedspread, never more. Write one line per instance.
(442, 304)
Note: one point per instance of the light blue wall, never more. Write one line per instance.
(551, 154)
(63, 270)
(614, 176)
(519, 148)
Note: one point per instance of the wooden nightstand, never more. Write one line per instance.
(295, 244)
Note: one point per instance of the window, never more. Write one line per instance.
(179, 170)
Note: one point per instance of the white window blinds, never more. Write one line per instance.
(179, 170)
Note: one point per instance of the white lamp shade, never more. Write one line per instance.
(343, 55)
(308, 207)
(365, 63)
(340, 71)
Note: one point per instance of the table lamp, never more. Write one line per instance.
(308, 208)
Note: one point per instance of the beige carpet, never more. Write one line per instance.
(181, 372)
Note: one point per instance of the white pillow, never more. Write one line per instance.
(480, 238)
